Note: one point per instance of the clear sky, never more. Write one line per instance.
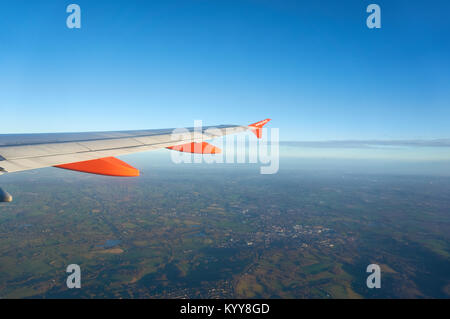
(312, 66)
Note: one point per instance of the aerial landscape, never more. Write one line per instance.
(215, 231)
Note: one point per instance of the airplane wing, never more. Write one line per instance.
(93, 152)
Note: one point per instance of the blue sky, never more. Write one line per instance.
(312, 66)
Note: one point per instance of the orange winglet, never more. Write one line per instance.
(103, 166)
(257, 127)
(198, 148)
